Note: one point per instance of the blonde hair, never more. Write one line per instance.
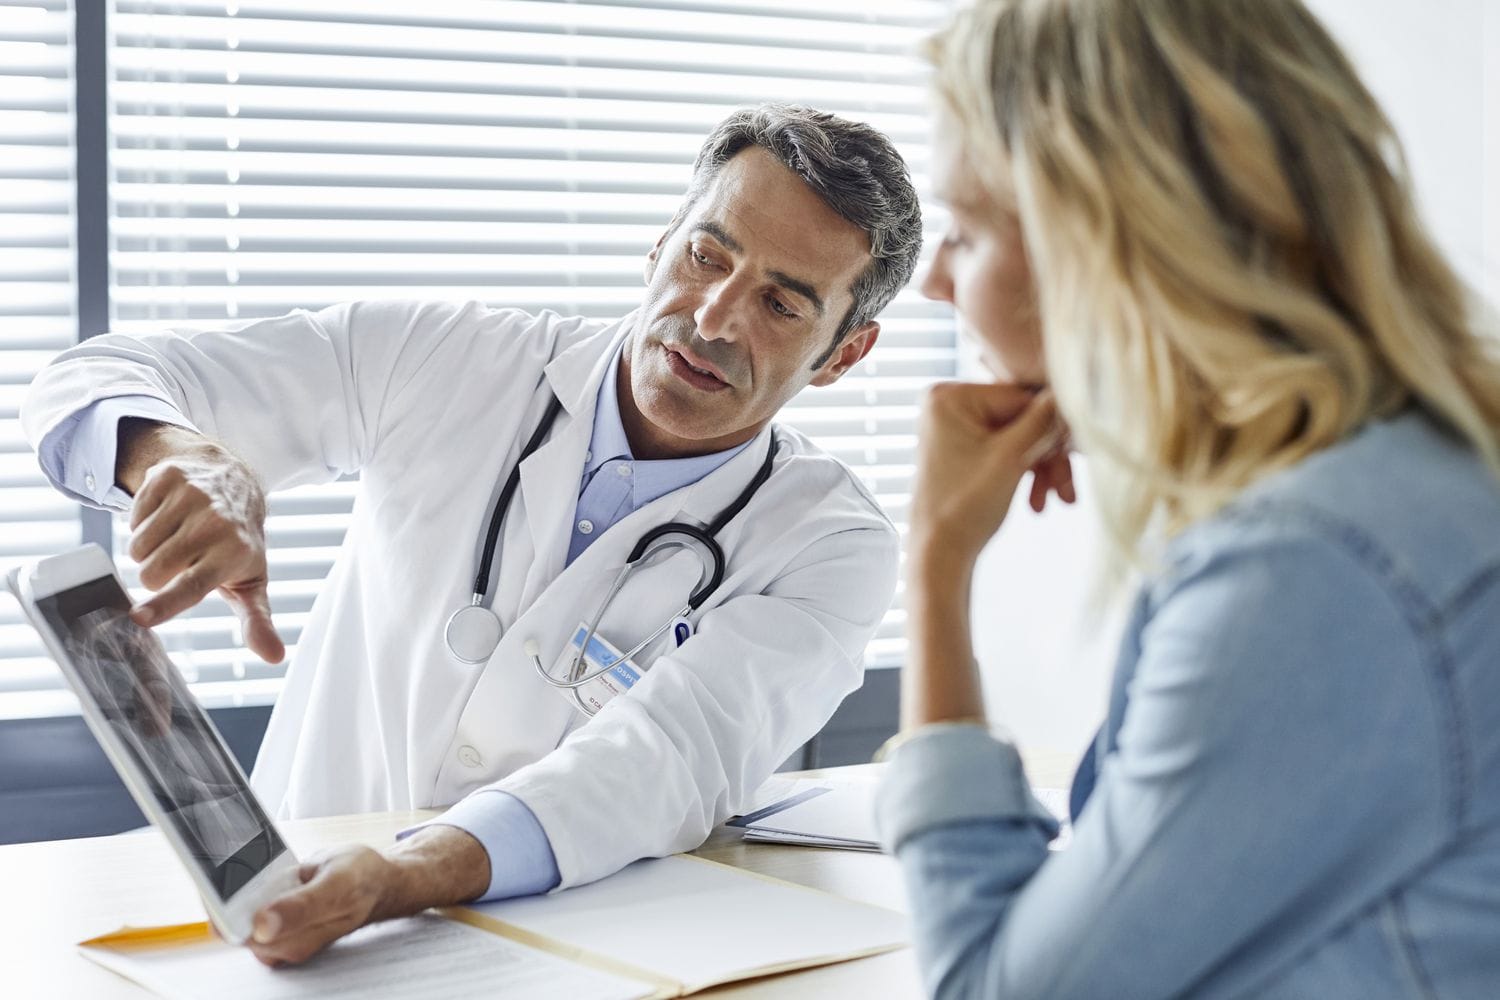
(1230, 270)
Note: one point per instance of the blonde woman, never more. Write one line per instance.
(1188, 221)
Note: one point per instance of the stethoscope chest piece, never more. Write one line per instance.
(472, 634)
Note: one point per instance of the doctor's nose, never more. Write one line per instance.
(721, 314)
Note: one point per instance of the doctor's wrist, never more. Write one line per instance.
(142, 443)
(436, 866)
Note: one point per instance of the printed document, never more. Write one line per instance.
(425, 956)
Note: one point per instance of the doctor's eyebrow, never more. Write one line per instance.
(791, 284)
(721, 234)
(800, 287)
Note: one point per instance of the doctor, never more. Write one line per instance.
(797, 229)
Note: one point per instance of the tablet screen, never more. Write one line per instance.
(146, 703)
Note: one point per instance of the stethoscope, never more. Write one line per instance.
(473, 632)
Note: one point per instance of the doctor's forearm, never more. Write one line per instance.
(436, 866)
(941, 681)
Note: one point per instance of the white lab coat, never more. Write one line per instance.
(431, 404)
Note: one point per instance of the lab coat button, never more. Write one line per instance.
(585, 527)
(469, 757)
(88, 481)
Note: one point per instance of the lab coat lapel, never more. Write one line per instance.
(550, 477)
(704, 500)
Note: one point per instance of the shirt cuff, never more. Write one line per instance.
(947, 774)
(78, 455)
(521, 859)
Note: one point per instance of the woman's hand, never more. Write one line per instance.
(977, 441)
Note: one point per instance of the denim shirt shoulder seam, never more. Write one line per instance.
(1425, 618)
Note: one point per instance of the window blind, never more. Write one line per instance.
(37, 304)
(274, 154)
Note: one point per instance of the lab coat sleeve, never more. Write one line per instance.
(299, 397)
(78, 454)
(659, 768)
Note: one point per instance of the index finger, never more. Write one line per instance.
(1004, 402)
(155, 489)
(190, 587)
(995, 404)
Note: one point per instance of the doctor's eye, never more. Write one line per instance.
(700, 258)
(780, 308)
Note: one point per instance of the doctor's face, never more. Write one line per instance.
(742, 303)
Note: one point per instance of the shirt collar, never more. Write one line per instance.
(652, 479)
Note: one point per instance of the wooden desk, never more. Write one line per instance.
(57, 893)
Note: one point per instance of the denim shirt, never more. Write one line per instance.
(1298, 782)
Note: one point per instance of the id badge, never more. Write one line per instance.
(620, 676)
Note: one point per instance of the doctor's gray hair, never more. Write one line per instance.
(853, 168)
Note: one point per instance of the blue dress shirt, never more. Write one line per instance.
(79, 457)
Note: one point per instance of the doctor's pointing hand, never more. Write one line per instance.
(590, 595)
(197, 524)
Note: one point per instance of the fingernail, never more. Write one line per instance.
(267, 925)
(143, 615)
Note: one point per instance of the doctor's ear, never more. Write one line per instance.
(848, 354)
(661, 241)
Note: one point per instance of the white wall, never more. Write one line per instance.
(1435, 66)
(1426, 64)
(1492, 152)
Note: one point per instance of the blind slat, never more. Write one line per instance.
(526, 153)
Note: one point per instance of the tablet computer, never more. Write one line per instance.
(157, 736)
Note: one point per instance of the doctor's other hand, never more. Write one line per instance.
(198, 524)
(348, 888)
(977, 442)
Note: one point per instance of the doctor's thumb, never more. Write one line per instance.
(254, 609)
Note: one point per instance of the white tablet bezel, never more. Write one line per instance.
(232, 917)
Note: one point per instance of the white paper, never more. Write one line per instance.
(700, 923)
(844, 816)
(772, 791)
(426, 956)
(798, 840)
(840, 814)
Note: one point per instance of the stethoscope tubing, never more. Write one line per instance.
(707, 584)
(502, 502)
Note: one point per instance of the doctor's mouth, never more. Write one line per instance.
(687, 368)
(698, 362)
